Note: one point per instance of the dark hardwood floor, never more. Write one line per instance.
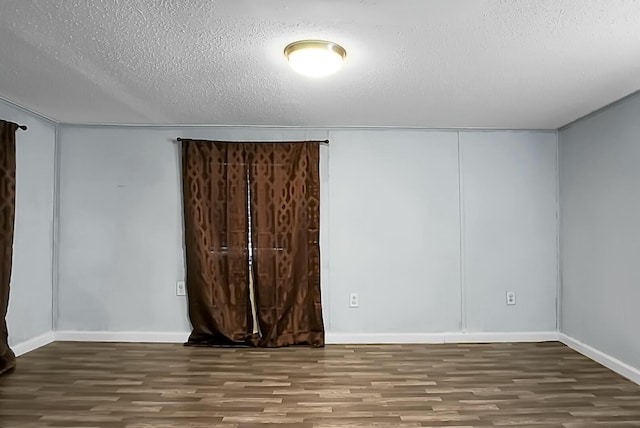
(164, 385)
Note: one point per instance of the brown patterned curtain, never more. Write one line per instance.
(7, 216)
(285, 207)
(282, 182)
(214, 180)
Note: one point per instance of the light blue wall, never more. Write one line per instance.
(393, 228)
(30, 301)
(509, 196)
(600, 230)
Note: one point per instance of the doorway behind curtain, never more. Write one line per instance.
(260, 200)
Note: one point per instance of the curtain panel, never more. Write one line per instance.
(263, 200)
(285, 206)
(216, 241)
(7, 218)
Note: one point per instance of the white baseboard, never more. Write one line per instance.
(33, 344)
(332, 338)
(122, 336)
(380, 338)
(622, 368)
(502, 337)
(454, 337)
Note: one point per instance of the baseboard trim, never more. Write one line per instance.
(33, 344)
(381, 338)
(332, 338)
(454, 337)
(502, 337)
(121, 336)
(620, 367)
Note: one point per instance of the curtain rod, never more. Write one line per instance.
(249, 142)
(23, 127)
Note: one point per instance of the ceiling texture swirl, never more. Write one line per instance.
(504, 64)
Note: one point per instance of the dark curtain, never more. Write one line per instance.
(282, 182)
(7, 216)
(285, 207)
(215, 218)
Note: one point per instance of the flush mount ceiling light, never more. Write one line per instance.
(315, 58)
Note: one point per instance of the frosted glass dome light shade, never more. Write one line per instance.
(315, 58)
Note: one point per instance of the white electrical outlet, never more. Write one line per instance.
(180, 289)
(353, 300)
(511, 298)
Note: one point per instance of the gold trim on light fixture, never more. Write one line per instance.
(314, 44)
(315, 58)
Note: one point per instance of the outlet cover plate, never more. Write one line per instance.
(353, 300)
(181, 289)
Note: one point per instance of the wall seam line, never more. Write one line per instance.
(463, 289)
(558, 239)
(55, 247)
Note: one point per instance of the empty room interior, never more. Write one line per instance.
(319, 214)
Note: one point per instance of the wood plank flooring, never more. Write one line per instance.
(165, 385)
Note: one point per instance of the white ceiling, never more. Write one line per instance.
(516, 64)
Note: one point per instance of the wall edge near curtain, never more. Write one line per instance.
(29, 314)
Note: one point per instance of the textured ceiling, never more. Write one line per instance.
(424, 63)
